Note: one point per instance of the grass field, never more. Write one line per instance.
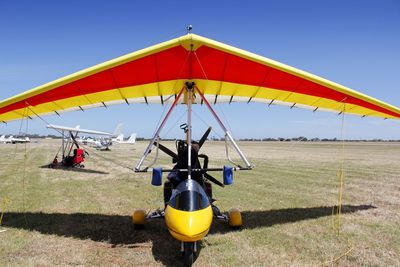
(82, 218)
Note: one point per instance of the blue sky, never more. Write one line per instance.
(354, 43)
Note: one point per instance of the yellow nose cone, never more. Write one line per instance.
(188, 226)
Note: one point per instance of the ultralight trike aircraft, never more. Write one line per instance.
(72, 155)
(191, 70)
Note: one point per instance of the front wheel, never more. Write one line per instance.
(188, 253)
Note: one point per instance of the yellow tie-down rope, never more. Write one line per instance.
(336, 216)
(337, 210)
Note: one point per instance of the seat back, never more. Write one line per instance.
(183, 161)
(78, 156)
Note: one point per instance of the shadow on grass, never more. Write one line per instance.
(268, 218)
(73, 169)
(117, 230)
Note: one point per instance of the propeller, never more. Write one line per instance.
(174, 156)
(204, 137)
(167, 151)
(206, 175)
(212, 179)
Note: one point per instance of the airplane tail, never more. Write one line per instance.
(132, 139)
(118, 130)
(119, 138)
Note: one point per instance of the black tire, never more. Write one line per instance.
(188, 253)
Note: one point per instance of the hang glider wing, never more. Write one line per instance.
(221, 72)
(76, 130)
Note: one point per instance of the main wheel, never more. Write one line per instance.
(188, 253)
(235, 218)
(139, 218)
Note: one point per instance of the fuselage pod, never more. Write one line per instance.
(188, 214)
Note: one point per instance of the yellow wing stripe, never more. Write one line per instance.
(240, 93)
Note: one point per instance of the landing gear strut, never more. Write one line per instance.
(188, 253)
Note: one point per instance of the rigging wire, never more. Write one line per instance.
(220, 136)
(223, 114)
(173, 88)
(19, 133)
(43, 120)
(24, 169)
(24, 115)
(174, 124)
(225, 118)
(92, 151)
(337, 210)
(220, 108)
(207, 125)
(161, 117)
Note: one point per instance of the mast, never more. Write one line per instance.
(189, 91)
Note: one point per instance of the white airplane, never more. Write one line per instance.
(120, 139)
(13, 140)
(87, 140)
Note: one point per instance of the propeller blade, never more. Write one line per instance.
(204, 137)
(167, 151)
(212, 179)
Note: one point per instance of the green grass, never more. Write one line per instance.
(62, 217)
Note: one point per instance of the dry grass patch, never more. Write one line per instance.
(82, 218)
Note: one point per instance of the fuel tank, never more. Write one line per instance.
(188, 214)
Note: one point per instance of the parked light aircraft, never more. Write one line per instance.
(192, 70)
(120, 139)
(104, 144)
(98, 142)
(72, 155)
(13, 140)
